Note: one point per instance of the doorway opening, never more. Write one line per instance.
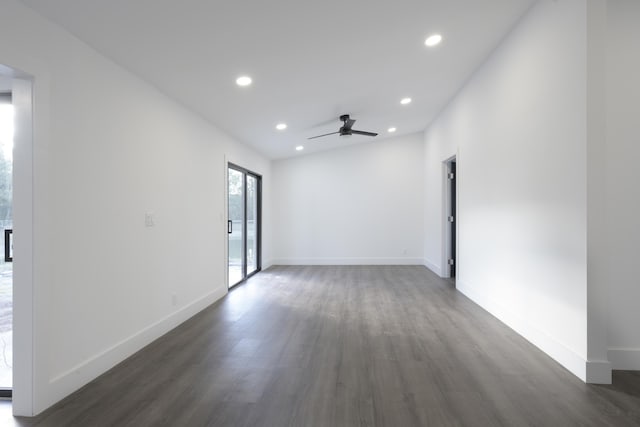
(244, 204)
(6, 229)
(20, 85)
(450, 214)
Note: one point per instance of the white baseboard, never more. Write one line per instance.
(573, 362)
(598, 372)
(431, 266)
(266, 264)
(66, 383)
(624, 359)
(348, 261)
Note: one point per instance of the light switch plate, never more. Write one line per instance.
(149, 220)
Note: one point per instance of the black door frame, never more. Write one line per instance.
(246, 172)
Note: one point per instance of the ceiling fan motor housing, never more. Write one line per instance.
(345, 130)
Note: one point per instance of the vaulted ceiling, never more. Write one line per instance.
(310, 61)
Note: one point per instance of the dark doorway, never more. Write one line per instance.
(451, 218)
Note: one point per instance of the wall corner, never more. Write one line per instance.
(598, 372)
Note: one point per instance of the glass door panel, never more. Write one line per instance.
(252, 224)
(235, 227)
(243, 226)
(6, 224)
(6, 230)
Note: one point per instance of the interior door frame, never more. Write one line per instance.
(450, 232)
(246, 172)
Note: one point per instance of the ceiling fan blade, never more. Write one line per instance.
(361, 132)
(326, 134)
(348, 123)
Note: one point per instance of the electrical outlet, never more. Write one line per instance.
(404, 251)
(174, 299)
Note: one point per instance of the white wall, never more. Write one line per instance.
(519, 130)
(599, 367)
(361, 204)
(440, 146)
(107, 149)
(622, 178)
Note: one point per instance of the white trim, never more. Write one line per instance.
(71, 380)
(598, 372)
(575, 363)
(432, 266)
(624, 359)
(348, 261)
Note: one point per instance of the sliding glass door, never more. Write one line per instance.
(235, 226)
(252, 224)
(6, 262)
(243, 225)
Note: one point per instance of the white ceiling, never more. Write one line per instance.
(310, 60)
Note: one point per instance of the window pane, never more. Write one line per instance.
(236, 216)
(252, 224)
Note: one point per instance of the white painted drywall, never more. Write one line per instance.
(598, 366)
(440, 146)
(362, 204)
(108, 149)
(622, 177)
(519, 130)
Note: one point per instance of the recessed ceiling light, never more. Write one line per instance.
(405, 101)
(243, 81)
(281, 126)
(299, 148)
(391, 130)
(433, 40)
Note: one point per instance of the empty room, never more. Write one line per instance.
(306, 213)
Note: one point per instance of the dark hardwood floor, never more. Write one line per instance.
(344, 346)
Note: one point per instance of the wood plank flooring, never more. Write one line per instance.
(344, 346)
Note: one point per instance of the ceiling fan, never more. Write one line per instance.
(346, 130)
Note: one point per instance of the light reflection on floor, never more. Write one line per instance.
(235, 274)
